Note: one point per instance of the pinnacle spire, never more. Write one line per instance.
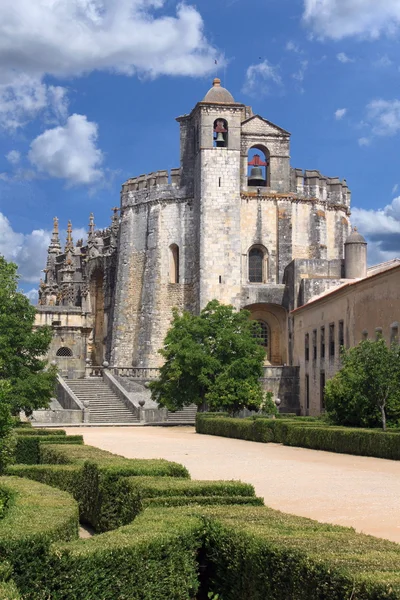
(70, 244)
(55, 246)
(91, 224)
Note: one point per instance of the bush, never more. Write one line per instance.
(36, 517)
(260, 553)
(27, 446)
(9, 591)
(33, 431)
(315, 435)
(153, 558)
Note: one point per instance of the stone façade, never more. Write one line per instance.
(184, 238)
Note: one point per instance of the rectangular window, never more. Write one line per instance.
(307, 393)
(322, 342)
(341, 334)
(314, 343)
(332, 340)
(307, 347)
(322, 390)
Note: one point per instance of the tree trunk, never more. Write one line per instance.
(383, 417)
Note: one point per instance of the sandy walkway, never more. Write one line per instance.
(349, 490)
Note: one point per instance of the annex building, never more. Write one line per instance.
(236, 222)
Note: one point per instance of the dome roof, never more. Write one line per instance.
(355, 238)
(218, 94)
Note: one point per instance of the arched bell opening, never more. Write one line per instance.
(258, 167)
(220, 133)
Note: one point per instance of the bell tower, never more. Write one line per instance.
(211, 166)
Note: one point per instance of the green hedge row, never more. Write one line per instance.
(307, 434)
(28, 446)
(46, 432)
(260, 553)
(36, 517)
(236, 552)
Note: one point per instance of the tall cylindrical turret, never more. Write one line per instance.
(355, 256)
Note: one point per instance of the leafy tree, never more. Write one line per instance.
(212, 359)
(7, 438)
(366, 391)
(22, 366)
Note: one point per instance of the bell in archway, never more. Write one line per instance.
(220, 140)
(256, 177)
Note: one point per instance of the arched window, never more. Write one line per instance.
(258, 167)
(256, 265)
(220, 133)
(264, 334)
(174, 263)
(64, 352)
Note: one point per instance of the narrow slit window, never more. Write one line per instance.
(174, 264)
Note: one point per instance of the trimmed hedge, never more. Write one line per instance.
(261, 553)
(9, 591)
(112, 463)
(31, 431)
(166, 501)
(154, 558)
(36, 517)
(306, 434)
(27, 448)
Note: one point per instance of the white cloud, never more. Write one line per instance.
(33, 295)
(29, 251)
(382, 62)
(13, 157)
(343, 58)
(384, 117)
(299, 75)
(69, 152)
(395, 188)
(338, 19)
(23, 96)
(292, 47)
(340, 113)
(261, 78)
(364, 141)
(382, 230)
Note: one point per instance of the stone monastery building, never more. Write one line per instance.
(234, 222)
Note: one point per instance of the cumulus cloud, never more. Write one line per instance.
(382, 230)
(28, 251)
(261, 78)
(33, 295)
(340, 113)
(343, 58)
(13, 157)
(384, 117)
(382, 62)
(338, 19)
(300, 73)
(292, 47)
(69, 152)
(23, 97)
(67, 38)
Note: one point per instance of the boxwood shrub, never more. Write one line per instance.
(37, 516)
(261, 553)
(315, 435)
(27, 448)
(47, 432)
(9, 591)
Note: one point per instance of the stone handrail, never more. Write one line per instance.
(143, 373)
(119, 391)
(93, 371)
(66, 396)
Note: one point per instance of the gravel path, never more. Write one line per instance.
(337, 488)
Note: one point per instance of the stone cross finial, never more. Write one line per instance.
(55, 225)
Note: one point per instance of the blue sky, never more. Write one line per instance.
(89, 92)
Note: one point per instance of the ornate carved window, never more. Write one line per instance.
(64, 352)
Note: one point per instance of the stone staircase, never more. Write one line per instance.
(104, 405)
(185, 416)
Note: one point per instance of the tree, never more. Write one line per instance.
(22, 366)
(214, 358)
(366, 390)
(7, 437)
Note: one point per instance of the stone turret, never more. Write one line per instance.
(355, 256)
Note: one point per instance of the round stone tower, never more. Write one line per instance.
(355, 256)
